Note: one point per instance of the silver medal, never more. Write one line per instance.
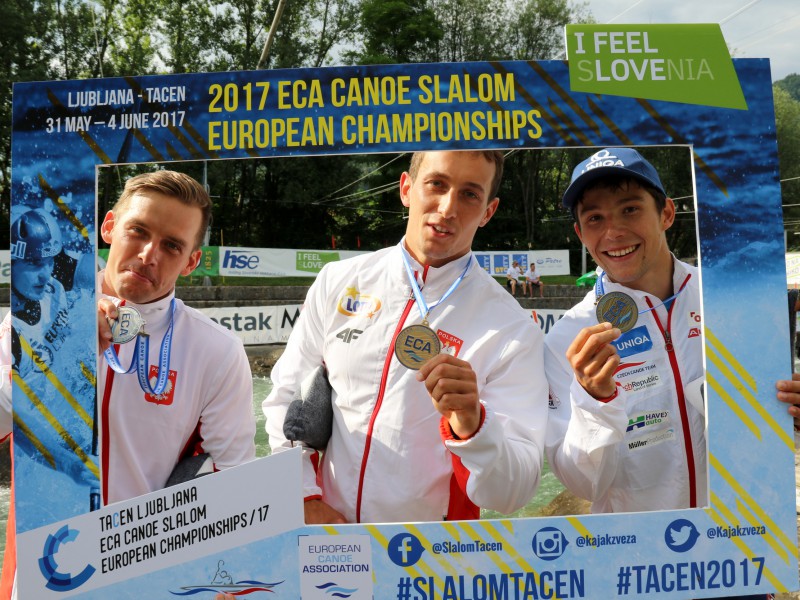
(127, 325)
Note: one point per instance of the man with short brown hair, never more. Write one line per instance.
(437, 380)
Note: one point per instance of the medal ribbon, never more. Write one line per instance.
(424, 309)
(599, 290)
(140, 358)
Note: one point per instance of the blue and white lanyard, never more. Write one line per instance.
(141, 355)
(599, 290)
(424, 309)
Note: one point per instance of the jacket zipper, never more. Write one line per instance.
(381, 391)
(673, 361)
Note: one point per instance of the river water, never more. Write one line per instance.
(549, 488)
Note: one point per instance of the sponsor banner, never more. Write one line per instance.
(548, 262)
(547, 317)
(679, 63)
(256, 325)
(5, 266)
(184, 522)
(793, 269)
(277, 262)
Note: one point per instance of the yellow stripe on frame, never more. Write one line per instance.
(51, 377)
(748, 500)
(732, 404)
(776, 584)
(751, 400)
(23, 427)
(725, 353)
(54, 423)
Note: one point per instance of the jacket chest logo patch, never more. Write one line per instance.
(450, 344)
(633, 342)
(167, 396)
(353, 303)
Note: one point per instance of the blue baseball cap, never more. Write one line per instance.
(610, 161)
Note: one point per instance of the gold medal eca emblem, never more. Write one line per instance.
(415, 345)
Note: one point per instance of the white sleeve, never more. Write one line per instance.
(583, 434)
(6, 421)
(302, 354)
(504, 458)
(227, 421)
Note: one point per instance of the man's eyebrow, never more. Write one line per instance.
(446, 177)
(584, 206)
(139, 223)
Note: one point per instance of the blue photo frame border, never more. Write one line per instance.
(734, 152)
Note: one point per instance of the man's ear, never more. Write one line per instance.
(491, 208)
(191, 265)
(107, 227)
(405, 187)
(668, 214)
(578, 231)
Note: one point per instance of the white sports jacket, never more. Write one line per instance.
(646, 448)
(207, 404)
(391, 457)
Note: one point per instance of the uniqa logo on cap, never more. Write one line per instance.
(604, 158)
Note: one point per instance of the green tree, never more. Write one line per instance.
(396, 31)
(534, 29)
(133, 50)
(791, 84)
(787, 130)
(25, 42)
(469, 29)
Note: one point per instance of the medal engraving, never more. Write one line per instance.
(415, 345)
(618, 309)
(127, 325)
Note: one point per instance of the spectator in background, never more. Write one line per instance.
(513, 276)
(532, 280)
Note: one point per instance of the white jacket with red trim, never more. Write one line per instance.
(208, 401)
(645, 449)
(390, 457)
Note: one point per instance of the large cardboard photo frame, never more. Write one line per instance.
(743, 541)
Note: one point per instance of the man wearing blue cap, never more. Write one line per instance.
(626, 427)
(627, 420)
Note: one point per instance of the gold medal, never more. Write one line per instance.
(415, 345)
(127, 325)
(618, 309)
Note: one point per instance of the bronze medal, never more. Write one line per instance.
(127, 325)
(415, 345)
(618, 309)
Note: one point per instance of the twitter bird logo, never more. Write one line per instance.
(681, 535)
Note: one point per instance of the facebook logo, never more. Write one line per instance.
(405, 549)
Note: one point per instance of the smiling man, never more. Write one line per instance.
(627, 423)
(436, 373)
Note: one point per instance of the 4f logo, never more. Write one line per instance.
(348, 335)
